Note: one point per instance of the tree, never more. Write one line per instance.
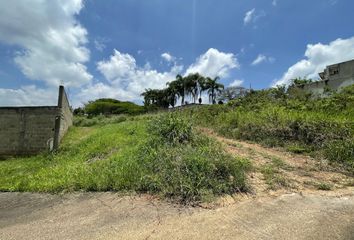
(195, 85)
(201, 86)
(109, 106)
(213, 88)
(191, 83)
(172, 93)
(180, 87)
(150, 96)
(300, 81)
(231, 93)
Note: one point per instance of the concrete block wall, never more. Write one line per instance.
(30, 130)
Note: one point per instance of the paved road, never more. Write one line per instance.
(110, 216)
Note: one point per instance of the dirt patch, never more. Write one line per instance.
(25, 216)
(102, 156)
(277, 172)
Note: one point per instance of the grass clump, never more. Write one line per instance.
(171, 128)
(324, 186)
(188, 166)
(272, 175)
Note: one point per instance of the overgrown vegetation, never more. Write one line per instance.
(184, 164)
(162, 153)
(322, 127)
(108, 106)
(157, 154)
(83, 121)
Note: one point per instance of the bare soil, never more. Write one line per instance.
(87, 216)
(292, 173)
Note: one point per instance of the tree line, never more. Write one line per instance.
(192, 85)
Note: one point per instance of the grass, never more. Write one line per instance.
(71, 168)
(323, 128)
(324, 186)
(82, 121)
(272, 174)
(172, 161)
(320, 185)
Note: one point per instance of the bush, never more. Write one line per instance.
(191, 172)
(171, 128)
(109, 106)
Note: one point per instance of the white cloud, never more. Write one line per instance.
(262, 58)
(236, 83)
(52, 41)
(168, 57)
(249, 16)
(99, 45)
(317, 57)
(28, 96)
(252, 16)
(274, 3)
(126, 79)
(214, 63)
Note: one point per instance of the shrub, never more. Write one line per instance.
(191, 171)
(112, 106)
(171, 128)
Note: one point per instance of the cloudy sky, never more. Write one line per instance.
(117, 48)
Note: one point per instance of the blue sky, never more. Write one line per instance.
(117, 48)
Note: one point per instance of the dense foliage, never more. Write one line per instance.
(109, 106)
(192, 85)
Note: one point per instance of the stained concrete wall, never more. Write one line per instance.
(29, 130)
(318, 88)
(66, 115)
(334, 77)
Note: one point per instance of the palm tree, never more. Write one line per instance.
(180, 84)
(172, 92)
(213, 88)
(191, 85)
(202, 87)
(195, 85)
(149, 96)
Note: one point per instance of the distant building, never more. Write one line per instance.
(334, 78)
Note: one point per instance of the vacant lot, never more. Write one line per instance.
(238, 188)
(166, 156)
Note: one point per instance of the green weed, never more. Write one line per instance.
(131, 156)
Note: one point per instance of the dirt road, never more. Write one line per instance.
(109, 216)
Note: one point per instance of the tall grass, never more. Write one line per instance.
(156, 154)
(321, 127)
(183, 164)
